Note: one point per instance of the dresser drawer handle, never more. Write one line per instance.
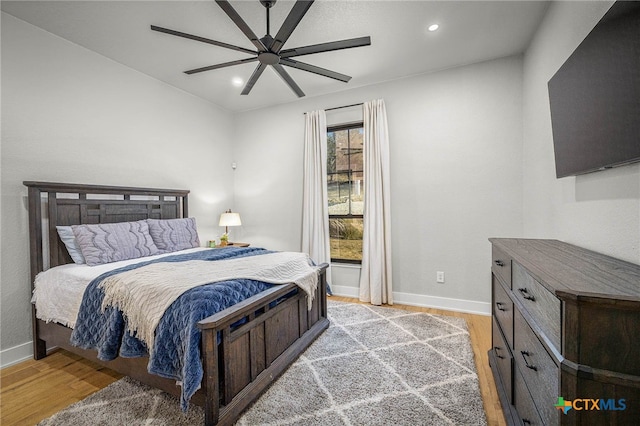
(525, 354)
(496, 349)
(526, 295)
(500, 306)
(499, 263)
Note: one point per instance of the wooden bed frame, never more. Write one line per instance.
(248, 358)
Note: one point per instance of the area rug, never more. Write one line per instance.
(373, 366)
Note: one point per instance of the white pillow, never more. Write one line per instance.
(69, 240)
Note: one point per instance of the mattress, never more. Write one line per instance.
(58, 291)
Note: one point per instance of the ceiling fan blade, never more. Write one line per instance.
(231, 12)
(254, 77)
(287, 79)
(326, 47)
(202, 39)
(223, 65)
(290, 23)
(314, 69)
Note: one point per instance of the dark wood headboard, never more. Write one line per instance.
(75, 204)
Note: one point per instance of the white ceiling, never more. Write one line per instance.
(470, 32)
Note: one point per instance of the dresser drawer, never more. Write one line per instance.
(503, 310)
(537, 368)
(504, 360)
(524, 403)
(544, 307)
(501, 265)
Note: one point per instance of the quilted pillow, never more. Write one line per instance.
(174, 234)
(69, 240)
(111, 242)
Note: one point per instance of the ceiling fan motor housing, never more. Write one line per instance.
(268, 58)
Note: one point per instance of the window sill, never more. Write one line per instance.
(346, 265)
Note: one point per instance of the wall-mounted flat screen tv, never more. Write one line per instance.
(595, 97)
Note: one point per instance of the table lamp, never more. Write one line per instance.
(228, 219)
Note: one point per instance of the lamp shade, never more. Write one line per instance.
(230, 219)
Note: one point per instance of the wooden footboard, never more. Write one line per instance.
(250, 356)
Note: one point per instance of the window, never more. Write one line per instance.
(345, 189)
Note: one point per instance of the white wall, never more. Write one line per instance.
(456, 156)
(70, 115)
(599, 211)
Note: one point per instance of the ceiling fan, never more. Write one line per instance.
(269, 49)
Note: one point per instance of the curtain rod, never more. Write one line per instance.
(345, 106)
(340, 107)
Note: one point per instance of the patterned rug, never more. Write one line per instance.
(373, 366)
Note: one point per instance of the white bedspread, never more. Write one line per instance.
(58, 291)
(144, 294)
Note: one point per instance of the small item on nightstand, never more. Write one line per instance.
(224, 239)
(212, 243)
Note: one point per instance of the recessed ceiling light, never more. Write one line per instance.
(433, 27)
(237, 81)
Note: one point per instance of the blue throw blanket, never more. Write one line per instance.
(176, 352)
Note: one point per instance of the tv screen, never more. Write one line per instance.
(595, 96)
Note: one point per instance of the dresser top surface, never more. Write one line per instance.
(571, 271)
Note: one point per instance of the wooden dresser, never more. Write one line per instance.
(566, 323)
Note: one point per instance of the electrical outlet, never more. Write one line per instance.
(440, 277)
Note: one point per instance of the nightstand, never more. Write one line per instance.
(230, 245)
(238, 245)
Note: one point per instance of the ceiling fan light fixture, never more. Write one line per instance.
(237, 81)
(433, 27)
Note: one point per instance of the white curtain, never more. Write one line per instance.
(315, 209)
(375, 278)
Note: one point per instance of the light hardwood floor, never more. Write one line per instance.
(34, 390)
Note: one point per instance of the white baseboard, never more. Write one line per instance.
(345, 291)
(16, 354)
(444, 303)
